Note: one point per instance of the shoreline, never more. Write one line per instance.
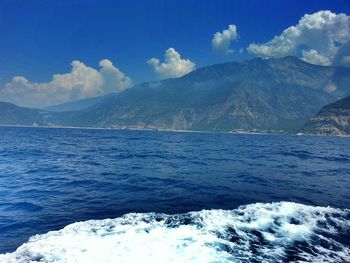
(169, 130)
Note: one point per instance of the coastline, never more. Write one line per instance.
(171, 130)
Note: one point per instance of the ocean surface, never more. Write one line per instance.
(85, 195)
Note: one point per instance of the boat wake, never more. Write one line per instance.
(261, 232)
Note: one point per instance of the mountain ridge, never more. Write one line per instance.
(78, 104)
(225, 97)
(12, 114)
(265, 95)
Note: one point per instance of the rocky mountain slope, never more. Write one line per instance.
(333, 119)
(262, 95)
(254, 95)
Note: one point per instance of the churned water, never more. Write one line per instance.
(102, 195)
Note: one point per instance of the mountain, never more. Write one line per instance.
(266, 95)
(258, 94)
(333, 119)
(77, 105)
(11, 114)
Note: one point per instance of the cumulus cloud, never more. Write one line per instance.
(222, 40)
(114, 79)
(82, 82)
(173, 66)
(318, 38)
(312, 56)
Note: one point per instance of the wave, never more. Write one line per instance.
(261, 232)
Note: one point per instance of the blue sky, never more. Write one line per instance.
(39, 38)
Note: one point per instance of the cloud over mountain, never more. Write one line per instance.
(321, 38)
(81, 82)
(173, 66)
(222, 40)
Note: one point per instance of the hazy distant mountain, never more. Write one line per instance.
(333, 119)
(261, 95)
(11, 114)
(274, 94)
(77, 105)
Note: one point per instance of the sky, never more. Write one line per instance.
(52, 52)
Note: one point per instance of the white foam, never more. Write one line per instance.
(264, 232)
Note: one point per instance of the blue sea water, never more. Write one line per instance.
(50, 178)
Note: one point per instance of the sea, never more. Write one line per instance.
(99, 195)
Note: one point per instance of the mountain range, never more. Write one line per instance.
(263, 95)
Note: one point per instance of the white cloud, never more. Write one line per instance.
(317, 38)
(312, 56)
(114, 79)
(173, 66)
(222, 40)
(82, 82)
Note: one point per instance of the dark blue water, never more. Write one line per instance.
(50, 178)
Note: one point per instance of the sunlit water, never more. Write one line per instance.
(51, 178)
